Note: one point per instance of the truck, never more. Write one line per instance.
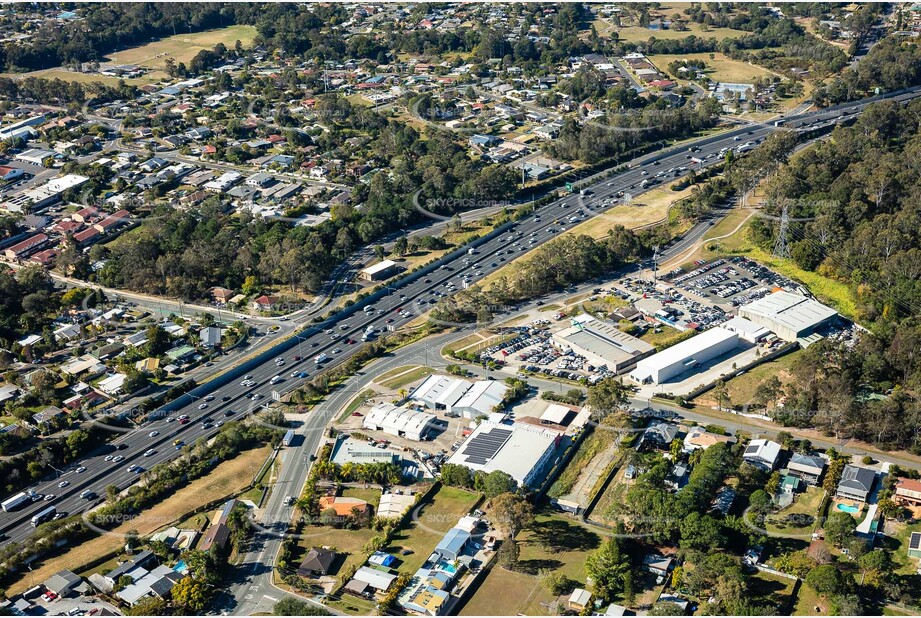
(11, 504)
(275, 380)
(471, 251)
(289, 437)
(322, 358)
(43, 516)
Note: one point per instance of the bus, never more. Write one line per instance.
(43, 516)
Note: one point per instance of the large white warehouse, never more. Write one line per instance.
(685, 356)
(402, 422)
(790, 316)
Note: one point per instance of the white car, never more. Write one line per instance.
(108, 458)
(336, 351)
(279, 360)
(63, 484)
(48, 497)
(170, 419)
(154, 434)
(117, 459)
(149, 452)
(132, 468)
(202, 406)
(209, 398)
(81, 469)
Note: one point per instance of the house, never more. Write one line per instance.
(699, 438)
(378, 272)
(452, 544)
(678, 477)
(222, 295)
(762, 454)
(49, 413)
(856, 483)
(27, 247)
(579, 599)
(153, 164)
(657, 565)
(808, 468)
(374, 579)
(343, 505)
(199, 133)
(791, 484)
(63, 583)
(659, 435)
(317, 562)
(210, 336)
(907, 492)
(265, 303)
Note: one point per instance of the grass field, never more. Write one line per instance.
(408, 375)
(807, 503)
(428, 525)
(661, 340)
(639, 34)
(182, 47)
(226, 479)
(645, 209)
(742, 388)
(356, 403)
(555, 543)
(596, 444)
(720, 68)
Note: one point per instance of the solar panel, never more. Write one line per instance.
(915, 541)
(485, 445)
(751, 450)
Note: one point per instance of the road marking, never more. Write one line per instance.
(248, 597)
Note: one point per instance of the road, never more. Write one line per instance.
(415, 294)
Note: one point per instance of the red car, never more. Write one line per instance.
(183, 421)
(297, 358)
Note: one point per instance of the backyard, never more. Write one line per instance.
(799, 519)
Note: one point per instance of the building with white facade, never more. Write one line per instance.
(684, 356)
(399, 421)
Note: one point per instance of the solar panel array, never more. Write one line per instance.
(751, 450)
(485, 445)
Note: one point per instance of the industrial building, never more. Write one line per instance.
(462, 397)
(518, 449)
(400, 422)
(378, 272)
(684, 356)
(603, 344)
(747, 330)
(790, 316)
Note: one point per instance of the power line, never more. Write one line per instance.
(781, 248)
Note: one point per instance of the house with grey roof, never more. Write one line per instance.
(856, 483)
(808, 468)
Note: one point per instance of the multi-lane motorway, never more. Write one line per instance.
(413, 296)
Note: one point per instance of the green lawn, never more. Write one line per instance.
(555, 543)
(346, 542)
(370, 495)
(593, 445)
(742, 388)
(409, 377)
(356, 403)
(428, 525)
(806, 503)
(667, 336)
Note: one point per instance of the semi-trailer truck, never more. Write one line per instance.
(43, 516)
(11, 504)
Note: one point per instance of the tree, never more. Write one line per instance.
(401, 245)
(721, 394)
(508, 553)
(498, 482)
(153, 606)
(666, 608)
(511, 513)
(289, 606)
(826, 579)
(556, 583)
(839, 527)
(607, 398)
(190, 594)
(607, 566)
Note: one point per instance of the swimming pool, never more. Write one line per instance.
(847, 508)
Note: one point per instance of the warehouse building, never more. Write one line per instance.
(400, 422)
(521, 450)
(685, 356)
(790, 316)
(461, 397)
(603, 344)
(378, 272)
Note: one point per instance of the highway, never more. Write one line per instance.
(416, 295)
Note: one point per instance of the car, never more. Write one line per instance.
(219, 424)
(279, 363)
(49, 497)
(117, 459)
(279, 360)
(344, 327)
(49, 596)
(108, 458)
(336, 350)
(170, 419)
(202, 406)
(297, 358)
(225, 398)
(229, 413)
(183, 421)
(80, 470)
(427, 281)
(334, 336)
(63, 484)
(206, 425)
(149, 452)
(154, 434)
(87, 494)
(138, 469)
(209, 398)
(184, 417)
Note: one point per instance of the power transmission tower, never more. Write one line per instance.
(655, 263)
(781, 248)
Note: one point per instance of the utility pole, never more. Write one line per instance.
(655, 263)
